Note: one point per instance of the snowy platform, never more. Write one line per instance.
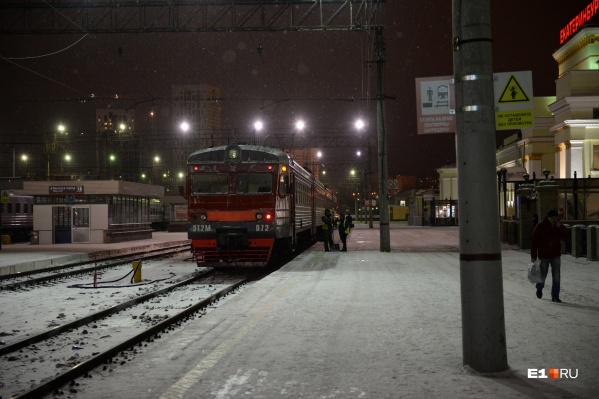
(366, 324)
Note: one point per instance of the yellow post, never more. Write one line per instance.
(137, 271)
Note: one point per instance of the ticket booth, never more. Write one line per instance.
(91, 211)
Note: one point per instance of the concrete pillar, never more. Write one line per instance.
(592, 242)
(578, 240)
(481, 280)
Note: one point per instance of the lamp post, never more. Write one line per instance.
(52, 145)
(67, 159)
(299, 127)
(258, 125)
(111, 160)
(24, 159)
(359, 124)
(155, 171)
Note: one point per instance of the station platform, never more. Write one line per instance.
(370, 324)
(16, 258)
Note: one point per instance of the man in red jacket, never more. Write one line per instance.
(546, 245)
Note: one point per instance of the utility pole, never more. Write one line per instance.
(483, 321)
(382, 144)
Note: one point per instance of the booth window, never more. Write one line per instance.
(595, 157)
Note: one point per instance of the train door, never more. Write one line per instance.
(80, 228)
(61, 220)
(292, 203)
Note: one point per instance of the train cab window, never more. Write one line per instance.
(210, 183)
(252, 183)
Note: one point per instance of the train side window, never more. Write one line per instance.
(18, 207)
(9, 207)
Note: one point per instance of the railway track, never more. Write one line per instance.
(112, 352)
(43, 276)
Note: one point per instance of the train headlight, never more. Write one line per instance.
(258, 216)
(268, 217)
(203, 217)
(233, 153)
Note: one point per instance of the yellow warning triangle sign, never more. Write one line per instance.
(513, 92)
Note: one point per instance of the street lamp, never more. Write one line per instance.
(258, 125)
(184, 126)
(24, 159)
(360, 125)
(67, 158)
(52, 145)
(299, 126)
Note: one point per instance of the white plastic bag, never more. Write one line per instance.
(534, 272)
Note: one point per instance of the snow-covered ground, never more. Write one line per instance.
(370, 325)
(361, 324)
(32, 311)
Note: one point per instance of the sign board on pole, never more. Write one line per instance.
(513, 100)
(5, 197)
(435, 102)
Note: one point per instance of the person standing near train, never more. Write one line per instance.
(327, 230)
(343, 231)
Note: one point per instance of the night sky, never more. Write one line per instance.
(313, 72)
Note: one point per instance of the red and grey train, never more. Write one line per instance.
(245, 202)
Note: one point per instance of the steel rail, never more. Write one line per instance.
(95, 316)
(154, 253)
(83, 368)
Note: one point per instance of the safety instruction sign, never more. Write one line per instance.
(513, 100)
(435, 103)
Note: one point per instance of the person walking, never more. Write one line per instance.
(343, 230)
(327, 230)
(546, 245)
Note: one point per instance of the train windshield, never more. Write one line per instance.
(252, 183)
(210, 183)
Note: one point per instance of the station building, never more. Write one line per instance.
(563, 141)
(565, 138)
(94, 211)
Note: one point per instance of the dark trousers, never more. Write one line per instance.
(343, 237)
(555, 275)
(328, 239)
